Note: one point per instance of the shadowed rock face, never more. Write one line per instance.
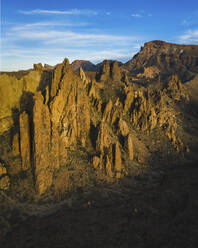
(50, 113)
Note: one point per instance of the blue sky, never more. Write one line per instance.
(47, 31)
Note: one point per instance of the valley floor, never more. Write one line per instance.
(159, 210)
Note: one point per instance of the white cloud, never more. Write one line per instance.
(136, 15)
(189, 37)
(58, 12)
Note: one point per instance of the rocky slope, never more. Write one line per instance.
(159, 57)
(121, 117)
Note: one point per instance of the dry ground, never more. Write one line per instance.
(156, 210)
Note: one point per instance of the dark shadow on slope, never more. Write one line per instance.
(93, 134)
(27, 104)
(45, 81)
(148, 212)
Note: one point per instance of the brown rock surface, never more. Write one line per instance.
(130, 147)
(25, 146)
(42, 144)
(15, 145)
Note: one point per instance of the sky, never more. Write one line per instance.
(46, 31)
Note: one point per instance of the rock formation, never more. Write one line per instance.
(109, 70)
(43, 159)
(121, 115)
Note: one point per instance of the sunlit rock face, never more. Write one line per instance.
(119, 116)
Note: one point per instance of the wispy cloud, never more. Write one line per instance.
(40, 25)
(136, 15)
(58, 12)
(51, 40)
(189, 37)
(51, 36)
(90, 38)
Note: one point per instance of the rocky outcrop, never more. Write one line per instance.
(70, 108)
(141, 109)
(176, 90)
(61, 124)
(109, 70)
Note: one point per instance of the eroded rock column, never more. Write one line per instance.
(42, 144)
(25, 147)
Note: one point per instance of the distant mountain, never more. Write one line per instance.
(88, 66)
(84, 64)
(166, 57)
